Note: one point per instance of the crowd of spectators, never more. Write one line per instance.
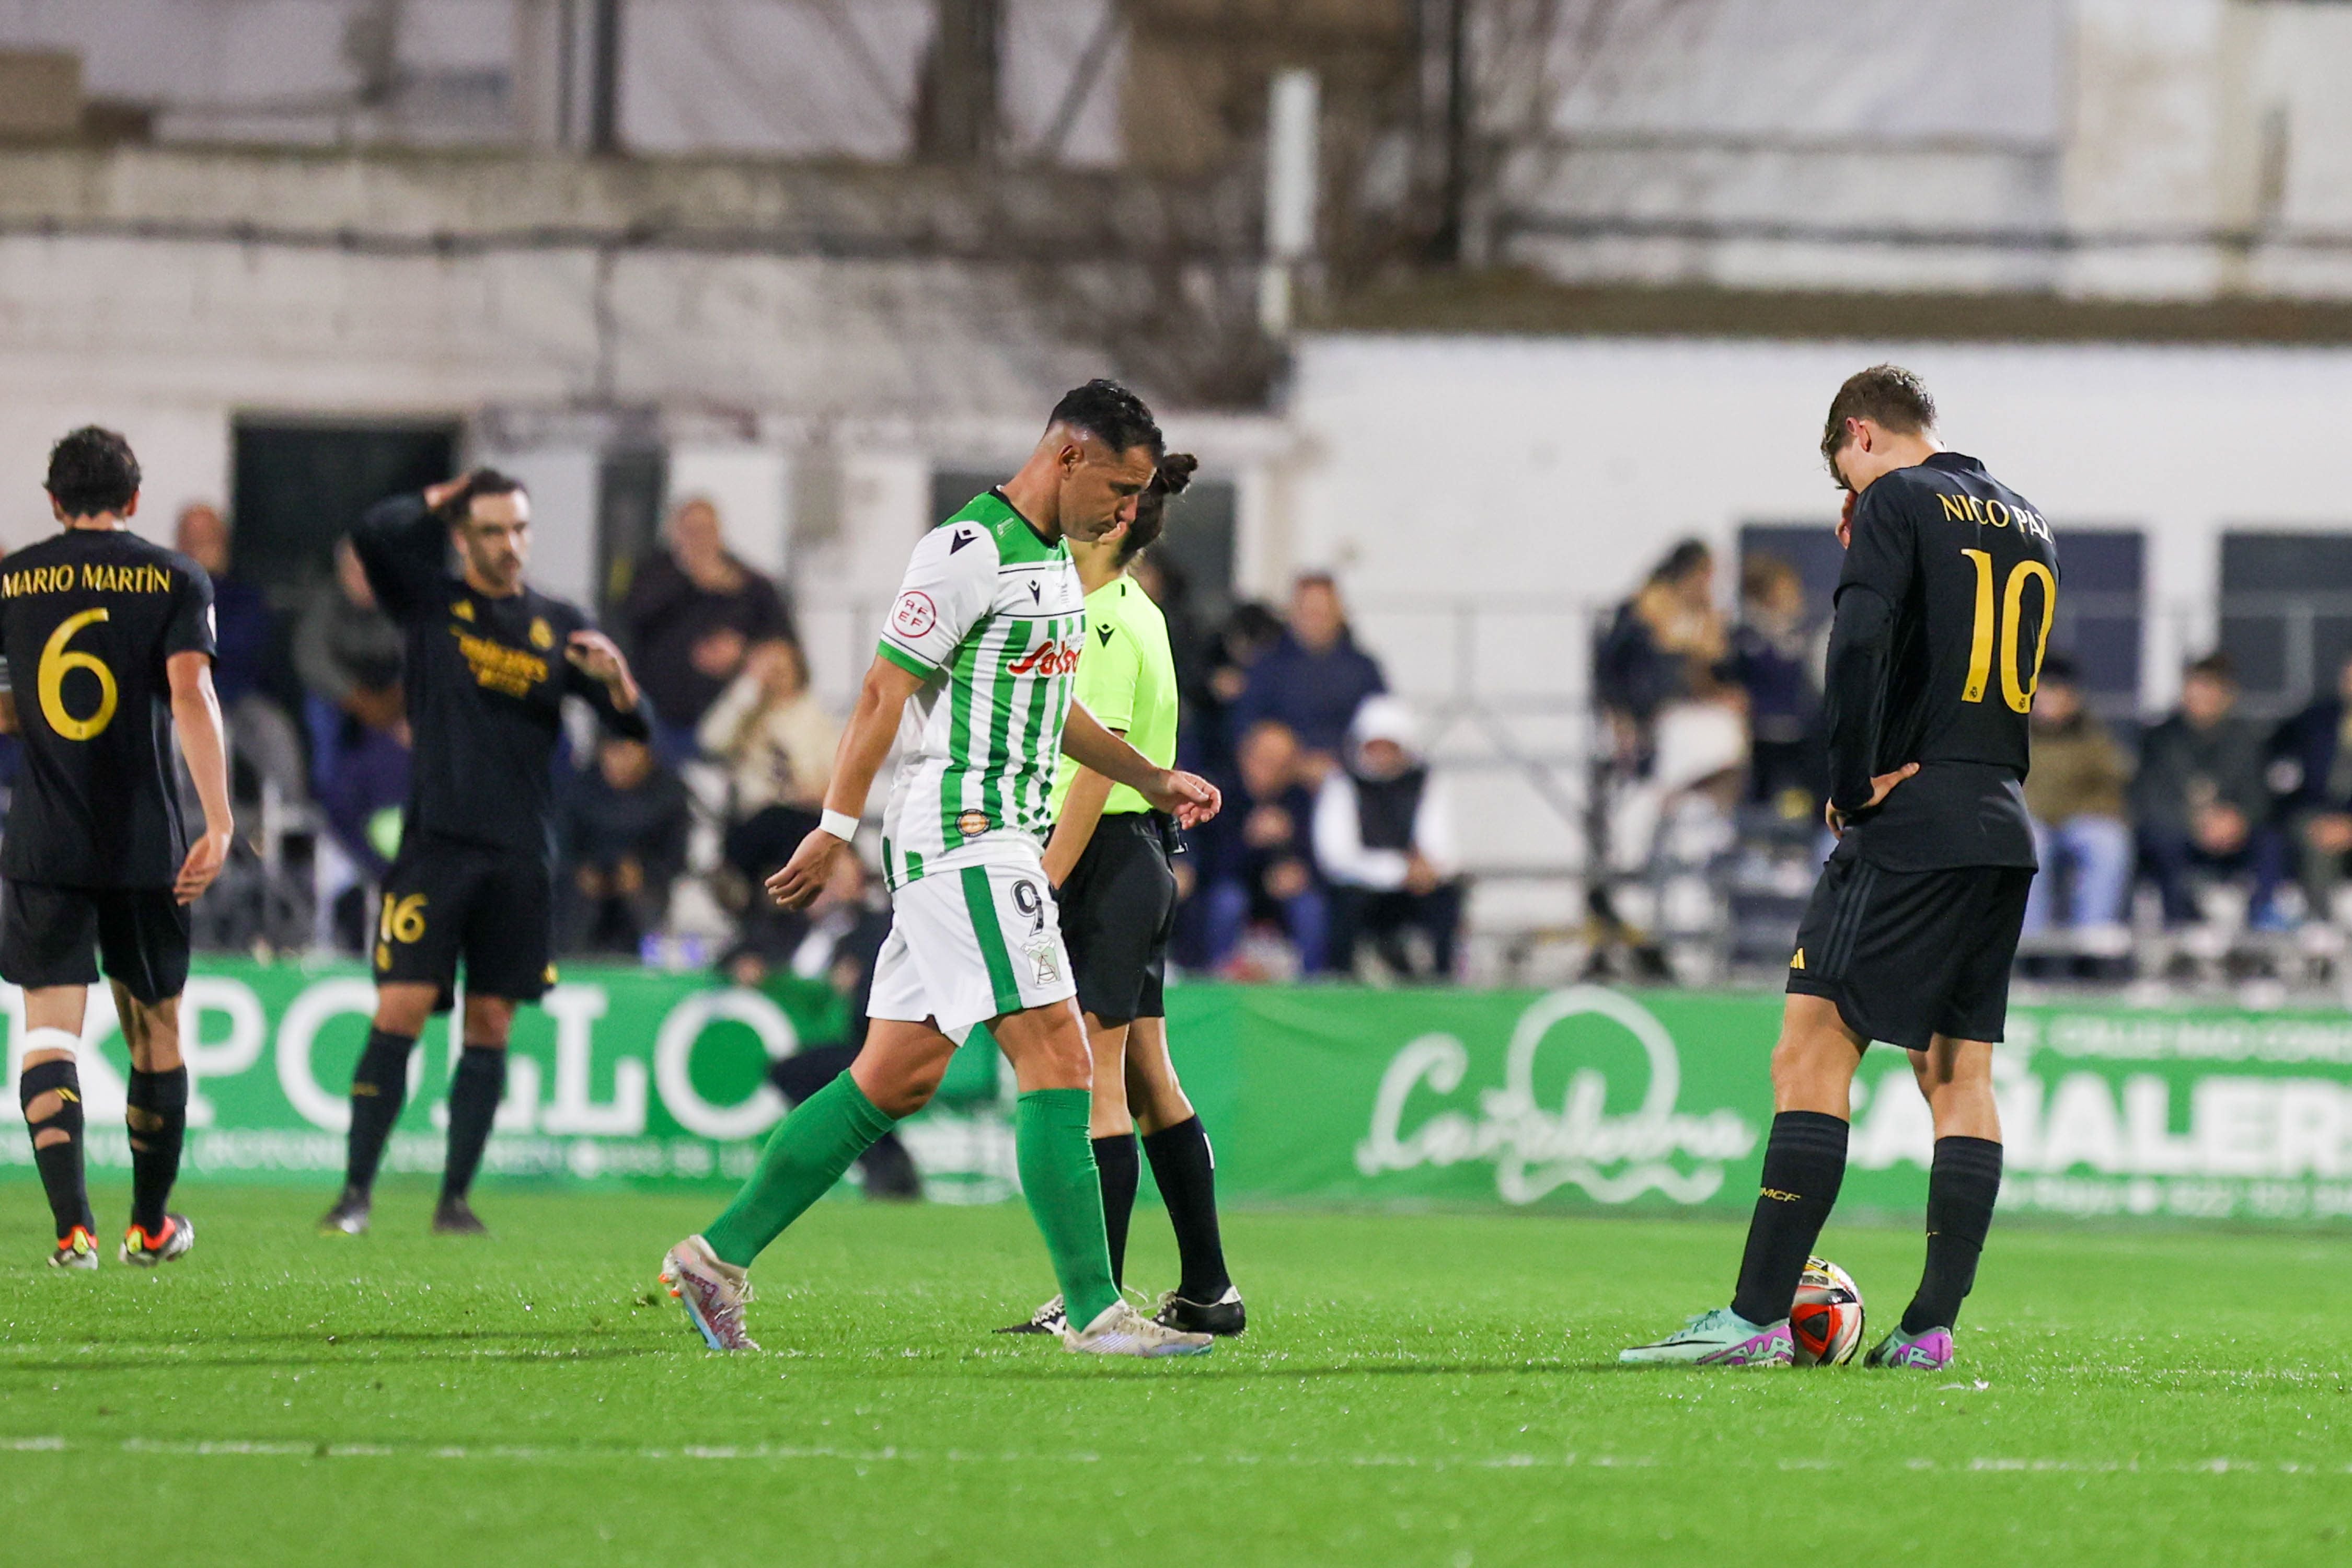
(2205, 807)
(1336, 855)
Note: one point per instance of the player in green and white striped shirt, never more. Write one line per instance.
(973, 673)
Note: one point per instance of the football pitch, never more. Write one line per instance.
(1436, 1389)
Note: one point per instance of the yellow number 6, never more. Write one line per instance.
(55, 662)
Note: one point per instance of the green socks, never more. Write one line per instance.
(1056, 1157)
(809, 1152)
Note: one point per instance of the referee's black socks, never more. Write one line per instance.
(1804, 1165)
(475, 1091)
(379, 1089)
(1186, 1171)
(50, 1093)
(1961, 1187)
(157, 1118)
(1121, 1171)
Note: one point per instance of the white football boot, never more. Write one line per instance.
(714, 1294)
(1123, 1331)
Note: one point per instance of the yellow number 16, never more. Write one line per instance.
(55, 662)
(2018, 695)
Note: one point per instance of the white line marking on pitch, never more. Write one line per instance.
(764, 1453)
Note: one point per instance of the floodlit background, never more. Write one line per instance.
(1477, 306)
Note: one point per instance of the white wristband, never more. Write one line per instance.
(841, 824)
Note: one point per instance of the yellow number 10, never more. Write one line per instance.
(2012, 605)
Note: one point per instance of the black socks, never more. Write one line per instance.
(50, 1094)
(1804, 1165)
(379, 1089)
(1961, 1187)
(475, 1092)
(1122, 1171)
(1187, 1173)
(157, 1118)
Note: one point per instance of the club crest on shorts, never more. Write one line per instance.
(1042, 957)
(971, 824)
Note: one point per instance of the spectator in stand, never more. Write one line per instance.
(1249, 632)
(1257, 858)
(777, 743)
(693, 614)
(1314, 677)
(1776, 659)
(1660, 651)
(2074, 795)
(2198, 801)
(347, 652)
(1384, 842)
(624, 827)
(260, 736)
(2311, 770)
(363, 802)
(835, 942)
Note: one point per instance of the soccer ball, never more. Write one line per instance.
(1826, 1322)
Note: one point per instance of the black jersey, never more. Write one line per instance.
(1943, 615)
(486, 679)
(88, 617)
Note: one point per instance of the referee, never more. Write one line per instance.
(1108, 860)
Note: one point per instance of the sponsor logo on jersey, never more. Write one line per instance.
(542, 634)
(1049, 659)
(500, 667)
(971, 824)
(914, 615)
(962, 537)
(463, 609)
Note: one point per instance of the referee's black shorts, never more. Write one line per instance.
(1118, 908)
(1907, 955)
(445, 899)
(53, 935)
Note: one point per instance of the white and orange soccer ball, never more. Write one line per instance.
(1826, 1321)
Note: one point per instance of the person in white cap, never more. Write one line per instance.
(1384, 838)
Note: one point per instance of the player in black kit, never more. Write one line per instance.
(1943, 615)
(487, 665)
(106, 640)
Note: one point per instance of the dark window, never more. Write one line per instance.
(299, 486)
(2287, 613)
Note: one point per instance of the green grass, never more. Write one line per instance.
(1433, 1389)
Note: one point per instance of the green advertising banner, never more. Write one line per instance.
(1581, 1097)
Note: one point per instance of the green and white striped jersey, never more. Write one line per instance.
(992, 619)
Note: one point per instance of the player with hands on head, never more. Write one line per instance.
(488, 661)
(973, 678)
(106, 654)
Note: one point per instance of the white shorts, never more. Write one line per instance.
(969, 943)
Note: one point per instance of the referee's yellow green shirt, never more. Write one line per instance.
(1127, 679)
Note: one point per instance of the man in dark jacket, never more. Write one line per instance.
(2200, 799)
(693, 613)
(624, 830)
(2311, 769)
(1314, 679)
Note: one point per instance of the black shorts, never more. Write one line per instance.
(445, 899)
(1118, 908)
(60, 936)
(1907, 955)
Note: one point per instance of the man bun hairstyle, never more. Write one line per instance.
(92, 470)
(1175, 473)
(1111, 414)
(1897, 398)
(480, 482)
